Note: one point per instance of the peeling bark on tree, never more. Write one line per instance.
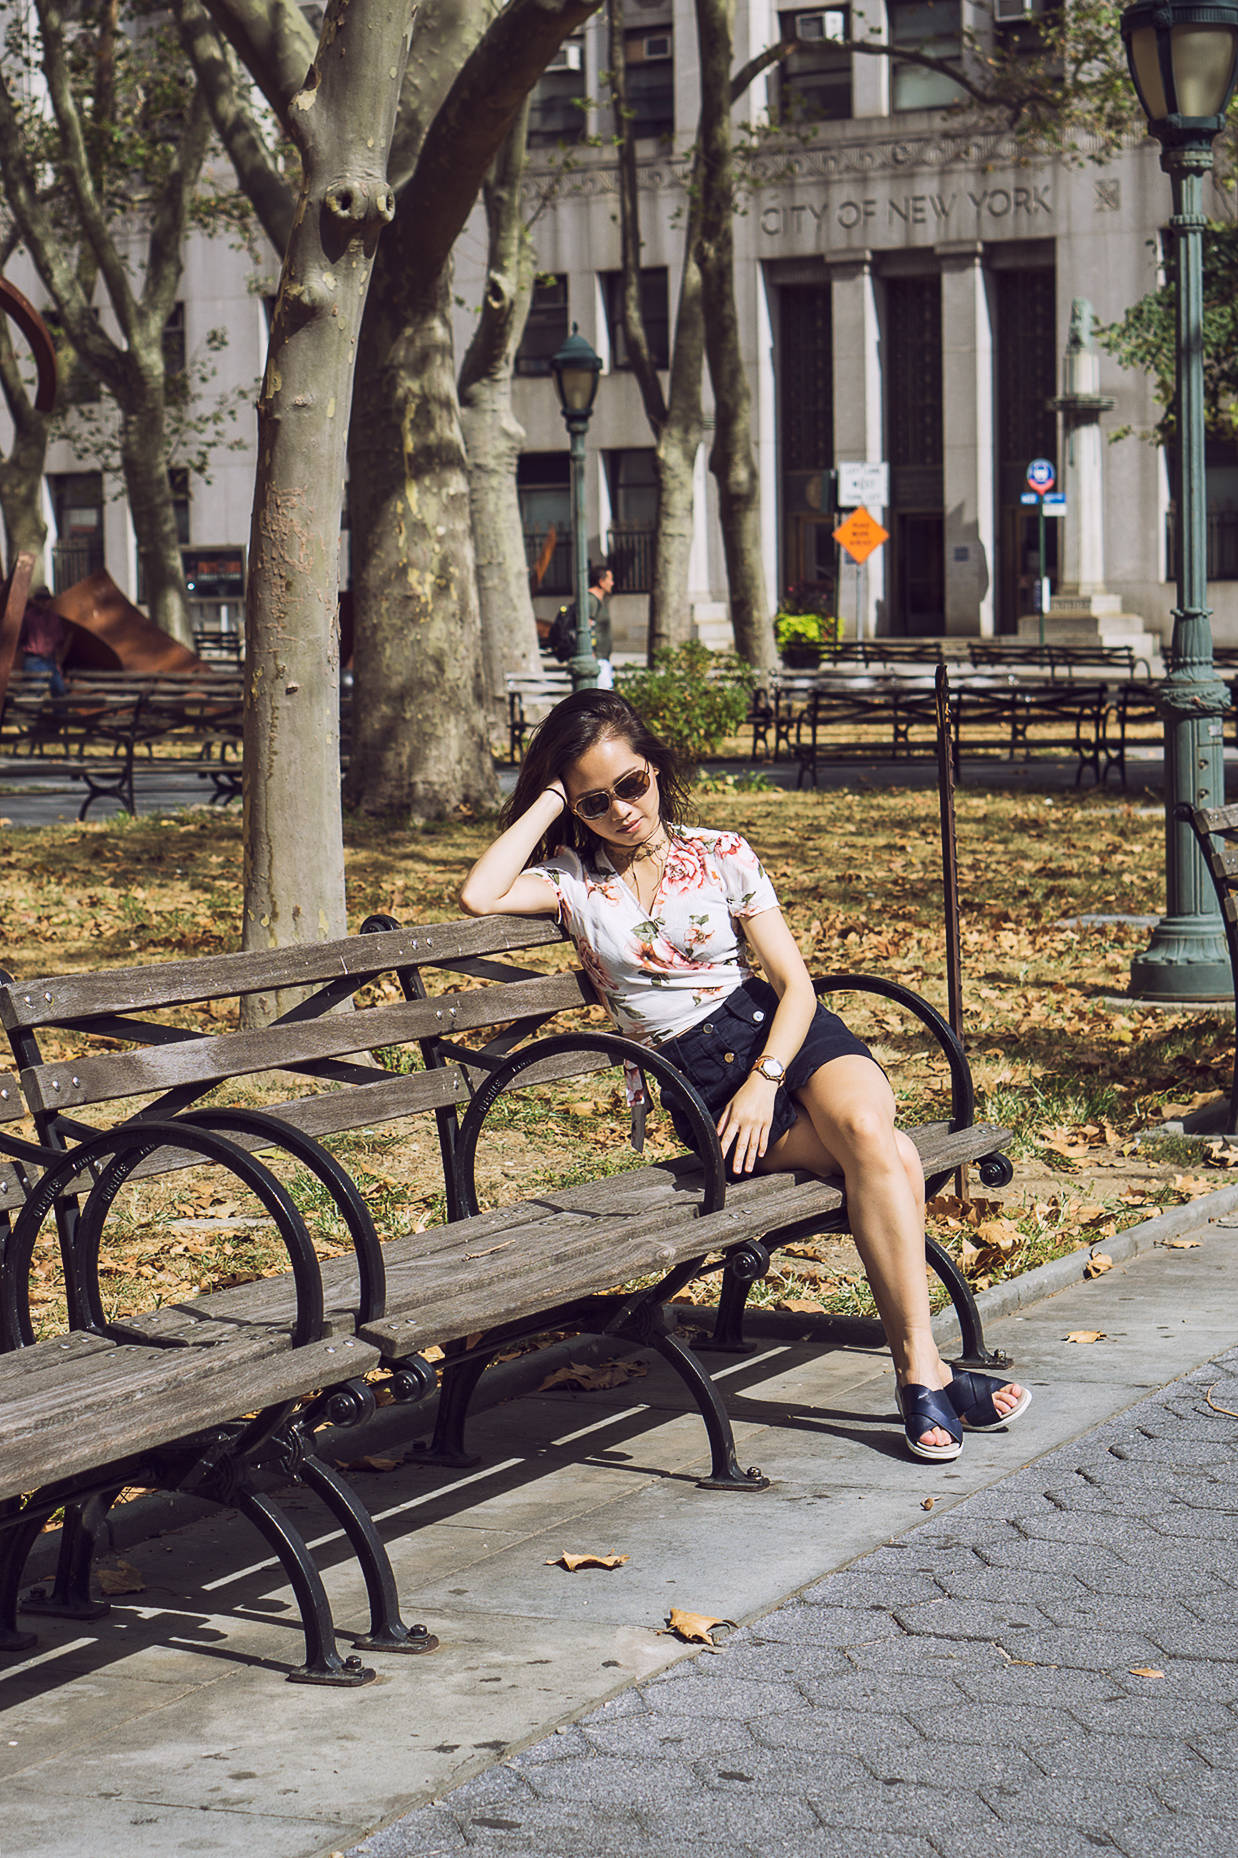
(421, 744)
(342, 121)
(493, 436)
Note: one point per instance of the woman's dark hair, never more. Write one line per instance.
(572, 728)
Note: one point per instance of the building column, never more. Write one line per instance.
(967, 440)
(859, 433)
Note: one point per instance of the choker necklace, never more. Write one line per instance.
(647, 850)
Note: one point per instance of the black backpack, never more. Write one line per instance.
(562, 637)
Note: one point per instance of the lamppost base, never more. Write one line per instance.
(1187, 960)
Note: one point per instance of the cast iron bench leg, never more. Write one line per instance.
(387, 1632)
(455, 1393)
(323, 1664)
(17, 1542)
(70, 1596)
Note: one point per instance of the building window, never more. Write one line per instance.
(77, 509)
(546, 328)
(1025, 302)
(544, 491)
(934, 27)
(814, 83)
(178, 477)
(557, 110)
(655, 314)
(633, 485)
(651, 81)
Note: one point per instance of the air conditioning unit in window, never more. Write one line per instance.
(569, 57)
(819, 28)
(658, 45)
(1012, 12)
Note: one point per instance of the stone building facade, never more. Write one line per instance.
(905, 285)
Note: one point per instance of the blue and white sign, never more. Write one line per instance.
(1055, 503)
(1041, 475)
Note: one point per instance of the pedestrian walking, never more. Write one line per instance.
(601, 584)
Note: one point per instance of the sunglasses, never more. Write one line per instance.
(599, 800)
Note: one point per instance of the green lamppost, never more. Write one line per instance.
(1183, 56)
(576, 367)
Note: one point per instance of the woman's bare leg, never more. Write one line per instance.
(848, 1128)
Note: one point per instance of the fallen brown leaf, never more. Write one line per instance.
(928, 1503)
(1145, 1670)
(572, 1562)
(1098, 1264)
(692, 1628)
(1180, 1245)
(584, 1378)
(371, 1463)
(1085, 1335)
(120, 1579)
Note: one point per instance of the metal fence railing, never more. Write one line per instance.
(630, 552)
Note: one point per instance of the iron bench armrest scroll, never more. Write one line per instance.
(127, 1147)
(620, 1051)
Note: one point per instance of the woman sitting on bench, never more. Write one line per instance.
(662, 915)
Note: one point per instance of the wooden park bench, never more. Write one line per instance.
(110, 727)
(530, 699)
(443, 1020)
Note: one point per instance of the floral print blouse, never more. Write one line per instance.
(659, 973)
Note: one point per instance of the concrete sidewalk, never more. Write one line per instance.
(1013, 1619)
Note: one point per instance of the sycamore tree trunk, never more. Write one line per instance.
(342, 121)
(420, 740)
(731, 458)
(493, 436)
(144, 463)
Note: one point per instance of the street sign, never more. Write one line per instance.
(1029, 497)
(860, 484)
(1055, 503)
(861, 535)
(1041, 476)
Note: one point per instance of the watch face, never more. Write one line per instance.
(773, 1069)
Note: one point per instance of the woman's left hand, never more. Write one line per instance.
(746, 1121)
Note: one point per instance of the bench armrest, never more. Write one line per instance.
(620, 1051)
(962, 1089)
(117, 1152)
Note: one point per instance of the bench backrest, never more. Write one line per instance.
(444, 977)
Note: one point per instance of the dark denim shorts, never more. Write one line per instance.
(717, 1055)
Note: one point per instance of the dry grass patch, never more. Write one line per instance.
(1073, 1074)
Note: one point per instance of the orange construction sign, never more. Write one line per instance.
(861, 535)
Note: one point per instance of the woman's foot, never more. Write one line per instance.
(930, 1424)
(983, 1403)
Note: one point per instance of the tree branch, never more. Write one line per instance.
(256, 172)
(77, 165)
(476, 114)
(273, 40)
(165, 244)
(640, 356)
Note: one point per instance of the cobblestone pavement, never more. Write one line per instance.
(1048, 1669)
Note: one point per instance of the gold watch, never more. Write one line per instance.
(770, 1068)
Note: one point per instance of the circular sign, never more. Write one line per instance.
(1041, 475)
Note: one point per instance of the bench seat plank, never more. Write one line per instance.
(94, 1407)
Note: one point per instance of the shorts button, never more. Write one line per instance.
(759, 1015)
(728, 1057)
(706, 1028)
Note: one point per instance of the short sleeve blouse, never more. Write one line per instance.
(658, 973)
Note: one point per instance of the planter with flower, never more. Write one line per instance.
(803, 630)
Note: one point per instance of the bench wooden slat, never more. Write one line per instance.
(64, 999)
(66, 1085)
(127, 1399)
